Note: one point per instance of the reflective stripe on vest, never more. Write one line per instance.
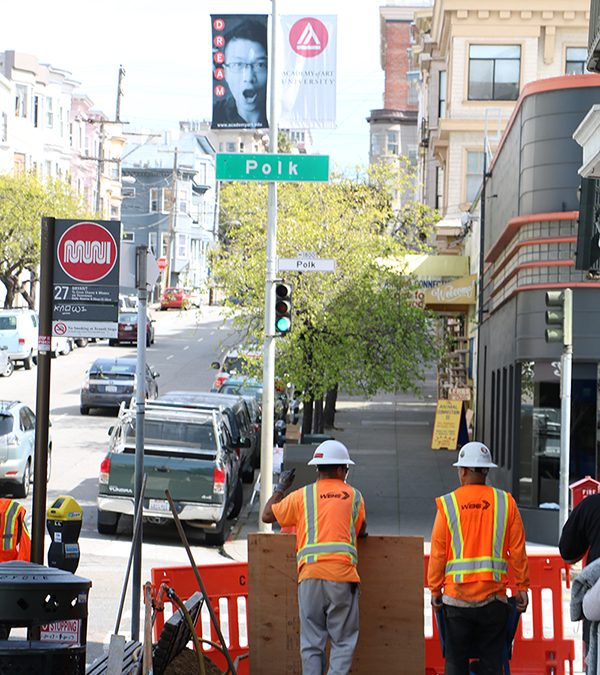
(313, 547)
(10, 516)
(495, 564)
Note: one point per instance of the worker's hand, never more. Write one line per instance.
(286, 478)
(522, 601)
(436, 602)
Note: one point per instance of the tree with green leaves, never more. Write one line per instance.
(357, 329)
(24, 200)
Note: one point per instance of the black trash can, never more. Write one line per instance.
(50, 600)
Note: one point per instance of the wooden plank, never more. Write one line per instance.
(391, 606)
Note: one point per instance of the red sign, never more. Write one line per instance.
(309, 37)
(87, 252)
(162, 264)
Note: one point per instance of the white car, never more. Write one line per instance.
(19, 334)
(6, 365)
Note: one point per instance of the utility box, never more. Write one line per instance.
(583, 488)
(64, 519)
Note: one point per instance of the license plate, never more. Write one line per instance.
(110, 388)
(158, 505)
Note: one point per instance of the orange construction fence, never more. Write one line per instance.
(540, 646)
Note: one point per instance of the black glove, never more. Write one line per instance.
(286, 478)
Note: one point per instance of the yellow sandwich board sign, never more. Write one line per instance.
(450, 427)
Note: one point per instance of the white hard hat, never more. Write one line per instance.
(330, 452)
(475, 455)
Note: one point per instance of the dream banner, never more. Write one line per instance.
(308, 75)
(240, 71)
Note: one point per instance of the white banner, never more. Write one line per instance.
(308, 79)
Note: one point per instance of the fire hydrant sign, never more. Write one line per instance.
(86, 278)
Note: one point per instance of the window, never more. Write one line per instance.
(4, 128)
(575, 62)
(154, 200)
(36, 111)
(474, 174)
(167, 199)
(20, 100)
(231, 147)
(181, 246)
(47, 168)
(127, 192)
(377, 144)
(392, 143)
(442, 93)
(494, 72)
(412, 154)
(49, 112)
(439, 188)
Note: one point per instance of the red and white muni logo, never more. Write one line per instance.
(87, 252)
(309, 37)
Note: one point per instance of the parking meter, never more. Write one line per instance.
(64, 519)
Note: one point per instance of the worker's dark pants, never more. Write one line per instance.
(475, 632)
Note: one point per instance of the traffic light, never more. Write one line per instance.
(283, 308)
(559, 316)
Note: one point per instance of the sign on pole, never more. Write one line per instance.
(86, 278)
(274, 167)
(306, 264)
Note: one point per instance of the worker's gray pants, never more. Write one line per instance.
(328, 609)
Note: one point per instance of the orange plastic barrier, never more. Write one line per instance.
(533, 652)
(227, 589)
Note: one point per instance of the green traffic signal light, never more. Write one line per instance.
(283, 308)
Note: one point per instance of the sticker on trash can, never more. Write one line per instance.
(61, 631)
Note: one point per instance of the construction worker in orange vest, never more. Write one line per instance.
(16, 542)
(328, 516)
(477, 536)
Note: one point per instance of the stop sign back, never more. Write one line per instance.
(87, 252)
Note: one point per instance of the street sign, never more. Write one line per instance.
(86, 278)
(274, 167)
(162, 263)
(128, 267)
(306, 264)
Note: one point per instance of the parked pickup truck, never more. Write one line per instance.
(188, 452)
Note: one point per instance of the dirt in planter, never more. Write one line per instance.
(186, 663)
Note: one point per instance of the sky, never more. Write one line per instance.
(165, 48)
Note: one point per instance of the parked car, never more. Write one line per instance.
(245, 439)
(188, 451)
(6, 364)
(19, 333)
(60, 345)
(235, 362)
(109, 382)
(175, 298)
(17, 448)
(250, 386)
(127, 330)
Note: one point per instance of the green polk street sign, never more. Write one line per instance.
(263, 167)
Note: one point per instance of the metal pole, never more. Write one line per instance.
(42, 409)
(140, 413)
(268, 402)
(480, 409)
(565, 408)
(100, 169)
(170, 247)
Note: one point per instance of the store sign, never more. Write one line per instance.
(461, 291)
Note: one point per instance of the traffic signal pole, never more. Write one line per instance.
(565, 407)
(268, 401)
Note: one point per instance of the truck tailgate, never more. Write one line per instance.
(187, 479)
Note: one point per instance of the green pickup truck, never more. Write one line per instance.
(188, 452)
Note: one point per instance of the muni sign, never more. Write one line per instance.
(277, 167)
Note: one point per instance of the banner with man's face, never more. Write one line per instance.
(240, 71)
(308, 76)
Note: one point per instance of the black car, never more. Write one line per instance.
(109, 382)
(245, 433)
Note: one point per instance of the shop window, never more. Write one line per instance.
(504, 417)
(575, 60)
(494, 72)
(474, 174)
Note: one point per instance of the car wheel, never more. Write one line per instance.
(163, 309)
(67, 349)
(216, 537)
(84, 410)
(148, 340)
(10, 369)
(237, 500)
(111, 342)
(28, 362)
(22, 490)
(107, 522)
(248, 473)
(81, 342)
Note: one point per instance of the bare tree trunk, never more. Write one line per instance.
(307, 417)
(329, 411)
(318, 416)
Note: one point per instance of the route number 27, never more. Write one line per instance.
(61, 292)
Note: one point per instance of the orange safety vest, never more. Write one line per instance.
(478, 542)
(16, 542)
(332, 537)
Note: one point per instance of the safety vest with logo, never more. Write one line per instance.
(333, 537)
(16, 543)
(482, 557)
